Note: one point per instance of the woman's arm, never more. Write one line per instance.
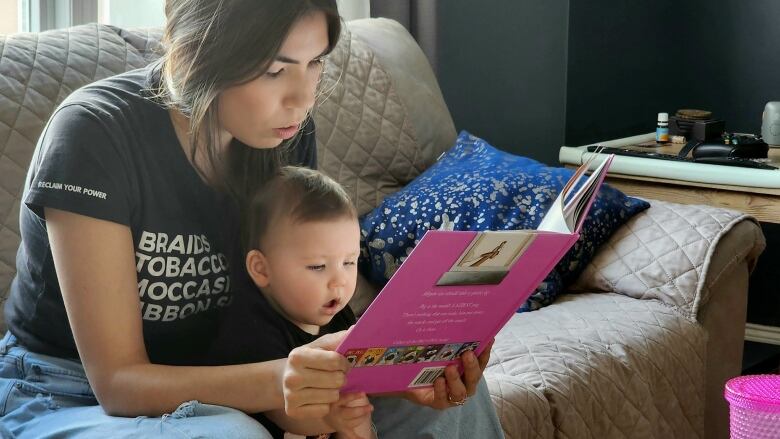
(95, 265)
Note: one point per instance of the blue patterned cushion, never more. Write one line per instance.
(478, 187)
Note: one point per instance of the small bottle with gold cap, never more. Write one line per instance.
(662, 130)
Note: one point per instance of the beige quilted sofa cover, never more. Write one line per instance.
(628, 355)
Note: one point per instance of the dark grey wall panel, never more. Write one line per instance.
(501, 67)
(529, 76)
(736, 56)
(629, 60)
(622, 57)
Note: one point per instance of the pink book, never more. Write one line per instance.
(456, 290)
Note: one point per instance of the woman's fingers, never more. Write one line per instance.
(313, 377)
(473, 367)
(316, 358)
(457, 390)
(440, 394)
(484, 357)
(472, 372)
(309, 403)
(310, 394)
(309, 366)
(354, 400)
(452, 389)
(296, 379)
(313, 396)
(306, 411)
(355, 415)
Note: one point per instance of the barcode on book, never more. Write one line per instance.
(427, 376)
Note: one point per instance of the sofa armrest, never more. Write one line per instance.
(733, 250)
(722, 314)
(674, 253)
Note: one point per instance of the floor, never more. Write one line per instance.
(760, 358)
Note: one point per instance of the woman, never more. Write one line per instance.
(126, 214)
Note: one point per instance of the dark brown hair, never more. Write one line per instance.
(294, 194)
(211, 45)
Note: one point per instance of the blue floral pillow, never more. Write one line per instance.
(478, 187)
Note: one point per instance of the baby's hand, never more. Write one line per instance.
(350, 416)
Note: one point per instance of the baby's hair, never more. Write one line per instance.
(295, 194)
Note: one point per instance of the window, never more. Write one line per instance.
(40, 15)
(131, 13)
(352, 9)
(9, 16)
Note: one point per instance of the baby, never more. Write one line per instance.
(302, 243)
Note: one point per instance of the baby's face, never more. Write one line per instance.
(312, 269)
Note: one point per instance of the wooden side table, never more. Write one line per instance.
(761, 202)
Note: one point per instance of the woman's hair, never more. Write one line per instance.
(211, 45)
(298, 195)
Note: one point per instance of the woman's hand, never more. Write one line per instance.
(313, 375)
(450, 390)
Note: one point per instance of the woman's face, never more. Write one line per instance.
(269, 109)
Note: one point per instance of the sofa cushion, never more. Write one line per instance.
(368, 138)
(610, 366)
(37, 71)
(477, 187)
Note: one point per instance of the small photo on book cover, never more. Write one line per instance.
(353, 355)
(429, 353)
(370, 357)
(391, 356)
(409, 354)
(470, 346)
(448, 352)
(487, 259)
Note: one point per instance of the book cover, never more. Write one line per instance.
(456, 290)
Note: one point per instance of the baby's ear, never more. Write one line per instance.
(257, 267)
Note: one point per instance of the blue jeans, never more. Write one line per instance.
(399, 418)
(43, 397)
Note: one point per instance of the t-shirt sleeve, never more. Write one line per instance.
(80, 167)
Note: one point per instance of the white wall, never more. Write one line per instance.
(9, 16)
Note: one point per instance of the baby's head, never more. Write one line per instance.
(303, 241)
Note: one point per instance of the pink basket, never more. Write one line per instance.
(754, 402)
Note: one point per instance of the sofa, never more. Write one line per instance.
(639, 346)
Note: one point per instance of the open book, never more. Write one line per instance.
(457, 289)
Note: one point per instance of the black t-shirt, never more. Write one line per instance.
(110, 152)
(252, 331)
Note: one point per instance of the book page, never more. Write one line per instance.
(578, 207)
(574, 206)
(556, 219)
